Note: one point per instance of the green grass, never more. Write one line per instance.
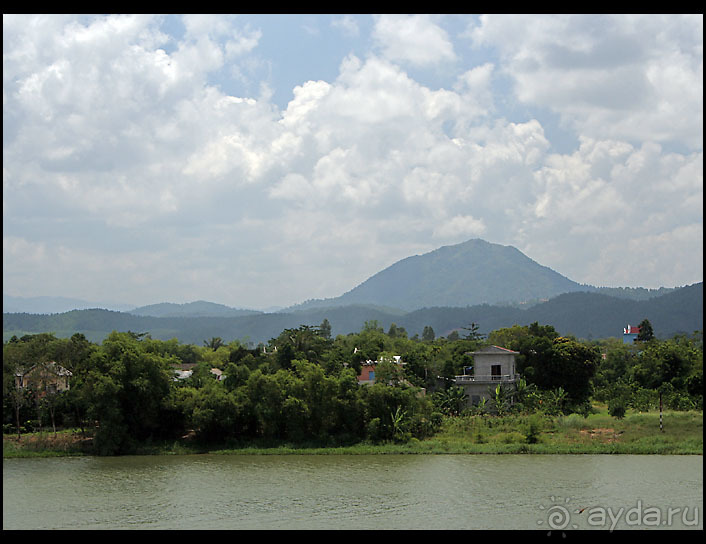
(598, 433)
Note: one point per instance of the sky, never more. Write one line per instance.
(264, 160)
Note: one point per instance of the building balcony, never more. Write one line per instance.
(488, 378)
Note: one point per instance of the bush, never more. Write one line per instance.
(512, 437)
(571, 421)
(533, 428)
(680, 402)
(644, 400)
(617, 408)
(32, 426)
(374, 430)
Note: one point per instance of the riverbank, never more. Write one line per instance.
(599, 433)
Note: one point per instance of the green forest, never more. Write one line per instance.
(301, 387)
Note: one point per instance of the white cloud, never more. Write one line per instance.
(413, 38)
(475, 86)
(211, 39)
(621, 205)
(113, 120)
(460, 227)
(608, 76)
(347, 24)
(306, 97)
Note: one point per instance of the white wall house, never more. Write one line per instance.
(492, 365)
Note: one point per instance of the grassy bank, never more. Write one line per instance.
(45, 444)
(599, 433)
(637, 433)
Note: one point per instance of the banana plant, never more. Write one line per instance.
(397, 419)
(452, 400)
(501, 399)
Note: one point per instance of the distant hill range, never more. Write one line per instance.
(200, 308)
(55, 305)
(582, 314)
(448, 289)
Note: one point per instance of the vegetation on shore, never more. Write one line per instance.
(599, 433)
(299, 394)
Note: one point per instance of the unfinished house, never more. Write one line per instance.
(492, 366)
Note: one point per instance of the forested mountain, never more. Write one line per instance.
(466, 274)
(582, 314)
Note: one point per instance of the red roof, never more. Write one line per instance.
(631, 330)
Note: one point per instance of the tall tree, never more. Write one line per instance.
(325, 329)
(573, 365)
(127, 388)
(473, 332)
(214, 343)
(646, 332)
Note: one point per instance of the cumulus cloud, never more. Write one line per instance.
(613, 199)
(116, 127)
(415, 39)
(619, 77)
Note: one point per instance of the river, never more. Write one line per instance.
(541, 492)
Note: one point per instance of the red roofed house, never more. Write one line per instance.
(630, 334)
(367, 372)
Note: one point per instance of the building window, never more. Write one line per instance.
(495, 372)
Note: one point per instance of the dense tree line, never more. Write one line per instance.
(301, 386)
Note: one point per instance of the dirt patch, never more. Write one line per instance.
(603, 434)
(49, 441)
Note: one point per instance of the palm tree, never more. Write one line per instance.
(214, 343)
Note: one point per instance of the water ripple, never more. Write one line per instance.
(333, 492)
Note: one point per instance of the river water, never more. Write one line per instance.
(541, 492)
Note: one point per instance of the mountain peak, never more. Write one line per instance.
(465, 274)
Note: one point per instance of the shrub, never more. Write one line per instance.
(617, 408)
(511, 437)
(644, 400)
(572, 421)
(373, 429)
(533, 428)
